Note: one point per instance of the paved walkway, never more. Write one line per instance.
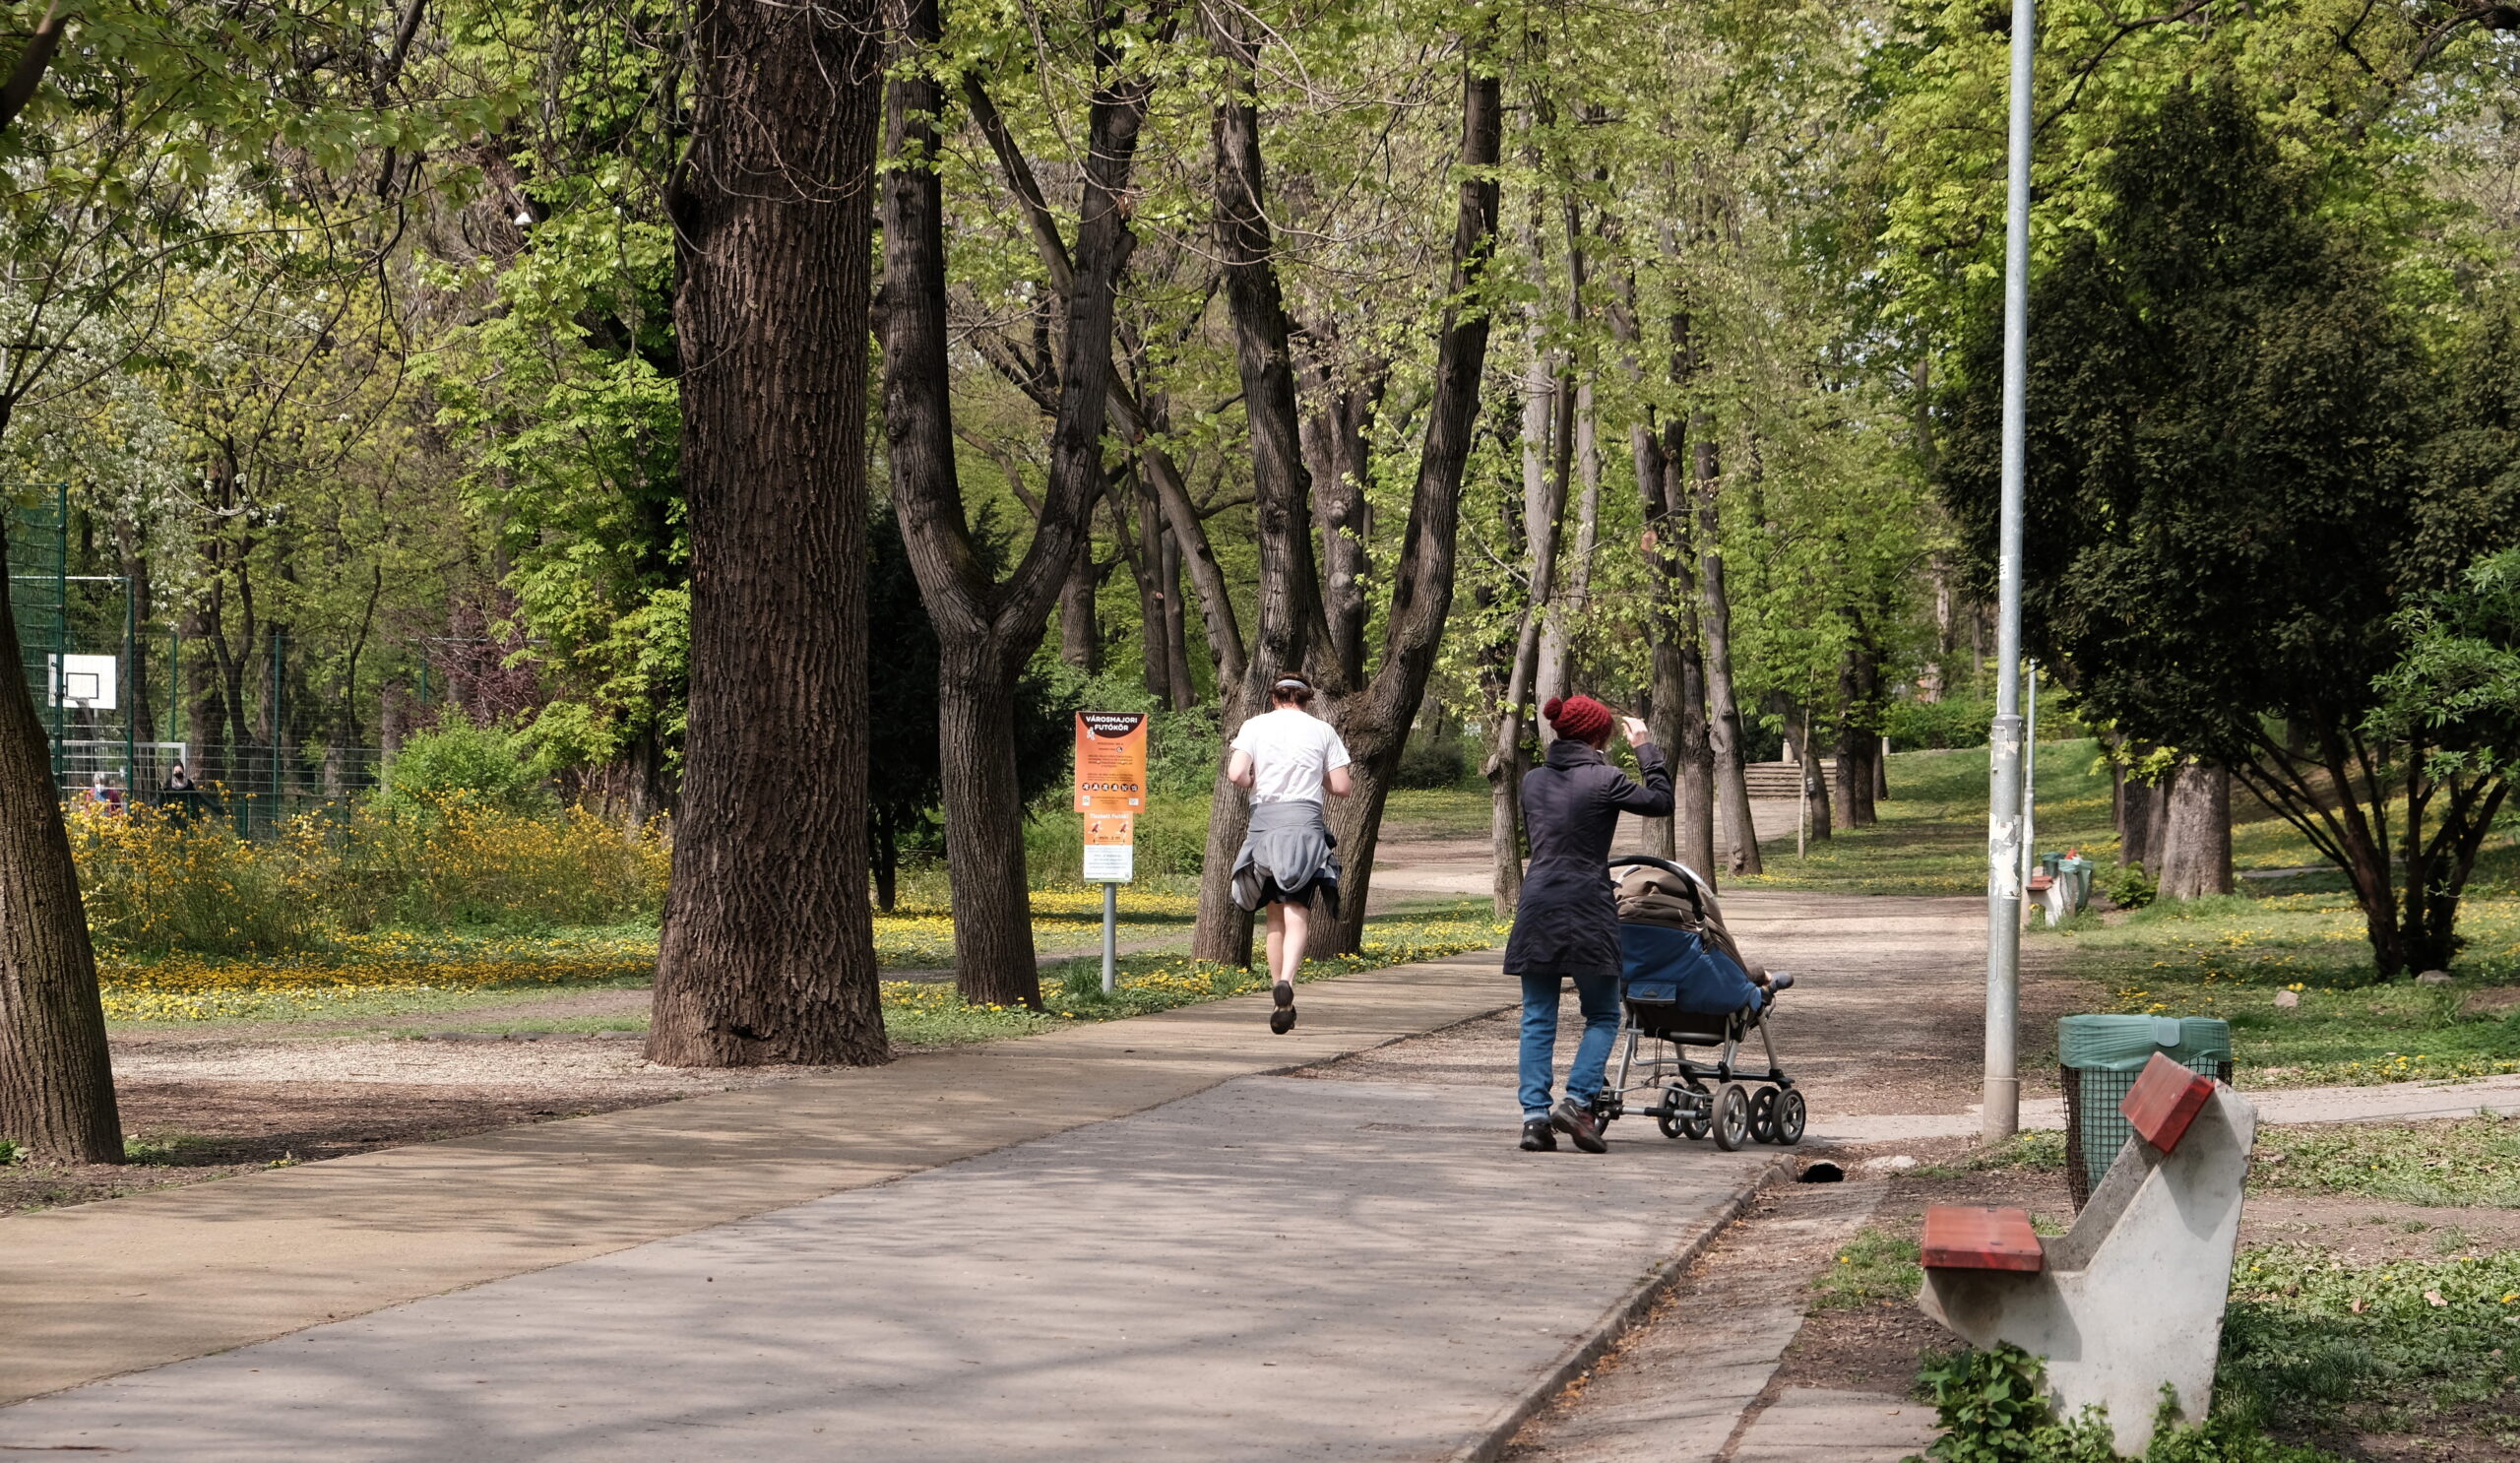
(1271, 1268)
(103, 1289)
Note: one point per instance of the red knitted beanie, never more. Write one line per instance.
(1578, 717)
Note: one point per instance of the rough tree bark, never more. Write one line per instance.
(1544, 517)
(1335, 452)
(1080, 628)
(2196, 854)
(56, 1080)
(1679, 665)
(768, 953)
(1859, 745)
(1372, 715)
(986, 629)
(1731, 784)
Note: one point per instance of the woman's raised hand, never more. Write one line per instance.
(1638, 733)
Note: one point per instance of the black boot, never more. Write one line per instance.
(1538, 1136)
(1577, 1123)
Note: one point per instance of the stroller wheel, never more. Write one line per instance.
(1763, 1115)
(1731, 1116)
(1791, 1114)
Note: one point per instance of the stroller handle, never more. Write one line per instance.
(1697, 882)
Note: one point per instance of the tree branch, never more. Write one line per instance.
(33, 63)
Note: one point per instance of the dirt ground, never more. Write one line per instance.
(203, 1105)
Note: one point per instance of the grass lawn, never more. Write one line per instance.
(2231, 956)
(388, 979)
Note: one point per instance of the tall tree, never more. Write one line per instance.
(157, 106)
(768, 953)
(986, 628)
(2236, 503)
(1372, 705)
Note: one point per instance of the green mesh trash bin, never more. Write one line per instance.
(2101, 1056)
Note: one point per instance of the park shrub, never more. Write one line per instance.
(462, 765)
(1936, 726)
(1993, 1408)
(1171, 839)
(157, 882)
(2126, 885)
(1432, 759)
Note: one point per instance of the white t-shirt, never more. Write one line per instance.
(1291, 750)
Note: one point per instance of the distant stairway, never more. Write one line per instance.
(1783, 779)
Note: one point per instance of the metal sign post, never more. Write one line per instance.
(1111, 791)
(1111, 938)
(2001, 1111)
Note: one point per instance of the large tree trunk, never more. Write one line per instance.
(768, 953)
(1373, 718)
(1859, 770)
(2196, 857)
(1814, 812)
(1376, 719)
(1080, 629)
(994, 955)
(2134, 819)
(56, 1079)
(1335, 452)
(1580, 438)
(985, 629)
(1731, 784)
(1679, 664)
(1292, 634)
(1543, 512)
(1181, 691)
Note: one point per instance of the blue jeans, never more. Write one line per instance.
(1598, 997)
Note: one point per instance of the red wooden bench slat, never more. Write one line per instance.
(2164, 1100)
(1960, 1237)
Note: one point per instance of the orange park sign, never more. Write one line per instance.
(1110, 848)
(1111, 790)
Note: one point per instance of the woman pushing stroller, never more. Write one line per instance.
(1567, 923)
(1287, 758)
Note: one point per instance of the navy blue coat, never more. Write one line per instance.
(1567, 920)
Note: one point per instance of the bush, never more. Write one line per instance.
(2128, 887)
(463, 765)
(154, 883)
(1172, 836)
(1436, 761)
(1936, 726)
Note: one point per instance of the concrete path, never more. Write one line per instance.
(1270, 1269)
(102, 1288)
(1696, 1382)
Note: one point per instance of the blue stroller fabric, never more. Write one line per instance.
(1660, 965)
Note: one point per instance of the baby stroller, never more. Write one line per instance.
(1683, 984)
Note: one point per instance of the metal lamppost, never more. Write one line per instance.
(2001, 1112)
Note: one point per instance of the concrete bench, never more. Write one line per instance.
(2132, 1298)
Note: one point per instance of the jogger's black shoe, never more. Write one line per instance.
(1283, 1019)
(1577, 1123)
(1538, 1136)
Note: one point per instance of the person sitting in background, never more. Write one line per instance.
(178, 780)
(103, 794)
